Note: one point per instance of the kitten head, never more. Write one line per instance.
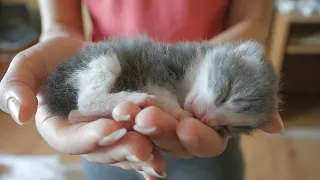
(236, 89)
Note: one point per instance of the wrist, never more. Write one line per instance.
(61, 31)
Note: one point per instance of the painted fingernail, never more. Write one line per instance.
(145, 175)
(145, 131)
(190, 139)
(111, 138)
(151, 171)
(126, 117)
(133, 158)
(14, 109)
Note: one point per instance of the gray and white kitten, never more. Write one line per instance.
(229, 86)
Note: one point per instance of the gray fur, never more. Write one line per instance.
(251, 87)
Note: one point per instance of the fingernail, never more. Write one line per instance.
(14, 109)
(145, 131)
(111, 138)
(133, 158)
(121, 117)
(191, 139)
(145, 175)
(151, 171)
(282, 125)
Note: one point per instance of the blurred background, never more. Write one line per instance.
(294, 48)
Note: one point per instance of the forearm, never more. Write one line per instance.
(61, 18)
(244, 30)
(248, 19)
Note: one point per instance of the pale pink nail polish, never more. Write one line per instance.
(14, 109)
(111, 138)
(121, 117)
(145, 131)
(145, 175)
(133, 158)
(151, 171)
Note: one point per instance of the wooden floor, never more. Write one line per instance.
(267, 157)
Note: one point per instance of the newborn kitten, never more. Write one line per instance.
(228, 86)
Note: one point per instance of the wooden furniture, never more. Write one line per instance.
(293, 34)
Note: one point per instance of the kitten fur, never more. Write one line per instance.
(229, 86)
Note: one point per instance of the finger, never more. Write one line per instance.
(275, 125)
(156, 167)
(124, 113)
(25, 74)
(132, 147)
(199, 139)
(21, 102)
(147, 176)
(161, 128)
(80, 138)
(126, 110)
(151, 169)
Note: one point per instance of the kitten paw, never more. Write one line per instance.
(103, 105)
(143, 99)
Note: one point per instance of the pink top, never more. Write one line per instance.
(164, 20)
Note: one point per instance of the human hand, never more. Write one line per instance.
(189, 137)
(19, 93)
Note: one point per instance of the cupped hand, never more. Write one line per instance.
(189, 137)
(102, 141)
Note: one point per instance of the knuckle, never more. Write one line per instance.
(22, 56)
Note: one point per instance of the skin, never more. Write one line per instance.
(63, 33)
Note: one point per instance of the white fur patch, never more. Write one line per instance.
(97, 80)
(95, 83)
(101, 71)
(200, 99)
(197, 82)
(104, 103)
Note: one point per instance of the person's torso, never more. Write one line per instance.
(164, 20)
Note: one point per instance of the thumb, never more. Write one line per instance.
(21, 103)
(28, 69)
(17, 90)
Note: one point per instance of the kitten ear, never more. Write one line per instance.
(250, 48)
